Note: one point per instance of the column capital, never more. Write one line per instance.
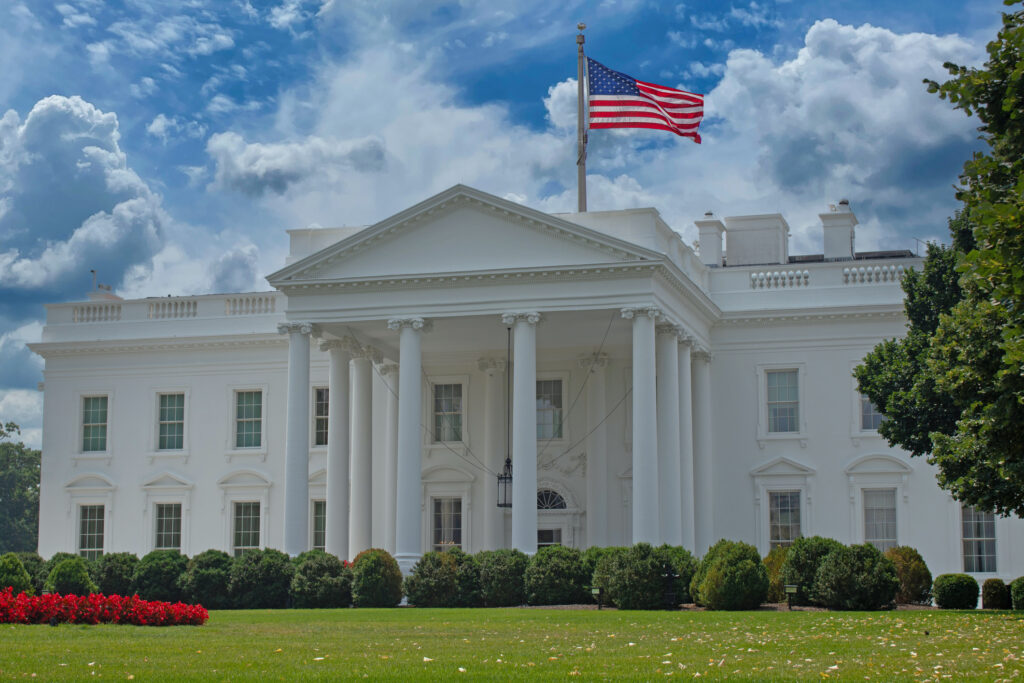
(702, 353)
(295, 327)
(653, 312)
(597, 360)
(491, 365)
(416, 323)
(331, 344)
(532, 317)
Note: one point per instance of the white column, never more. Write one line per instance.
(494, 450)
(524, 429)
(409, 503)
(646, 523)
(669, 473)
(361, 496)
(390, 374)
(686, 443)
(702, 451)
(338, 446)
(597, 451)
(296, 454)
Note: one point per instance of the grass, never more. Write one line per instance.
(527, 643)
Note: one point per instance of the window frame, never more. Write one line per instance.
(313, 502)
(564, 377)
(964, 539)
(434, 413)
(434, 546)
(259, 517)
(156, 525)
(80, 550)
(107, 451)
(763, 435)
(427, 415)
(799, 509)
(159, 394)
(895, 511)
(314, 418)
(231, 449)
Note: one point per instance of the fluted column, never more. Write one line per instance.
(646, 522)
(671, 509)
(338, 446)
(296, 454)
(409, 503)
(702, 450)
(389, 372)
(597, 451)
(686, 442)
(524, 429)
(494, 449)
(361, 496)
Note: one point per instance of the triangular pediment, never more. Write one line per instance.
(878, 463)
(90, 482)
(460, 230)
(168, 480)
(318, 478)
(782, 467)
(244, 478)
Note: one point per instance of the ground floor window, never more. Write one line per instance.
(246, 529)
(90, 531)
(447, 523)
(979, 539)
(783, 518)
(880, 518)
(168, 526)
(549, 537)
(319, 525)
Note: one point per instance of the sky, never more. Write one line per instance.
(168, 144)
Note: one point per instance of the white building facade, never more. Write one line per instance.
(653, 394)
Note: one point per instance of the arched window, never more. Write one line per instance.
(550, 500)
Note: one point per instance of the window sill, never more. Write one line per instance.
(247, 454)
(762, 439)
(181, 455)
(97, 456)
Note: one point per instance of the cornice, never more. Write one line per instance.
(891, 312)
(88, 348)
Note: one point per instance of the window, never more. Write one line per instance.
(783, 401)
(447, 412)
(319, 525)
(447, 523)
(549, 409)
(248, 419)
(320, 406)
(171, 422)
(168, 526)
(979, 536)
(550, 500)
(870, 418)
(880, 518)
(783, 518)
(246, 527)
(94, 423)
(549, 537)
(90, 531)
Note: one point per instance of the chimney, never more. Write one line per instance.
(838, 228)
(711, 231)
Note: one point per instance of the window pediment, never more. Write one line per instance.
(90, 482)
(877, 463)
(782, 467)
(168, 480)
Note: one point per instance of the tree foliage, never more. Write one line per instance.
(19, 492)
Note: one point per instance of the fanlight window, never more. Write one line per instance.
(550, 500)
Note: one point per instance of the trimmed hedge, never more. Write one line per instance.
(730, 577)
(376, 579)
(158, 574)
(469, 586)
(206, 579)
(801, 565)
(773, 564)
(321, 580)
(856, 577)
(995, 594)
(955, 591)
(14, 576)
(637, 578)
(914, 577)
(502, 577)
(604, 566)
(70, 576)
(681, 563)
(555, 577)
(113, 573)
(432, 581)
(33, 564)
(1017, 593)
(261, 579)
(50, 564)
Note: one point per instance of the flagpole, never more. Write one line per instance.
(581, 131)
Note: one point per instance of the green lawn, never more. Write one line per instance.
(521, 643)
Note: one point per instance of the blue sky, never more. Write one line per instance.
(169, 143)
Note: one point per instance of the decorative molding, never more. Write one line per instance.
(651, 311)
(895, 312)
(701, 352)
(388, 369)
(780, 279)
(491, 365)
(593, 361)
(295, 328)
(531, 317)
(54, 349)
(416, 323)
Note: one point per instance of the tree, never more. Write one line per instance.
(19, 493)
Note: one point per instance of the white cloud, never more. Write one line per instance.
(144, 88)
(24, 407)
(74, 18)
(754, 15)
(163, 128)
(701, 70)
(287, 14)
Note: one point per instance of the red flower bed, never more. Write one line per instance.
(96, 609)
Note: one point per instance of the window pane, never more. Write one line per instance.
(447, 523)
(549, 537)
(979, 540)
(246, 527)
(319, 525)
(870, 418)
(880, 518)
(171, 426)
(248, 419)
(90, 531)
(783, 517)
(447, 412)
(168, 526)
(549, 409)
(94, 423)
(783, 401)
(320, 408)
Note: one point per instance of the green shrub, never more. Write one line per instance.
(113, 573)
(681, 563)
(637, 580)
(773, 565)
(13, 575)
(1017, 593)
(912, 572)
(605, 560)
(730, 577)
(206, 580)
(432, 581)
(51, 564)
(33, 564)
(801, 565)
(955, 591)
(469, 590)
(555, 577)
(376, 579)
(261, 579)
(321, 580)
(502, 573)
(70, 576)
(857, 577)
(158, 574)
(995, 594)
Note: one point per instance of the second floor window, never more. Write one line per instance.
(171, 434)
(248, 419)
(320, 406)
(549, 409)
(94, 423)
(870, 418)
(447, 412)
(783, 401)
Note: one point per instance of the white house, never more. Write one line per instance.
(653, 395)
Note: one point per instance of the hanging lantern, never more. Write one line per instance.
(505, 485)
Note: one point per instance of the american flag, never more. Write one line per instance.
(621, 101)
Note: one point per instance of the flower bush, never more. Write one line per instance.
(96, 608)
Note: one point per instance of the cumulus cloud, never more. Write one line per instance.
(24, 407)
(236, 270)
(73, 17)
(164, 128)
